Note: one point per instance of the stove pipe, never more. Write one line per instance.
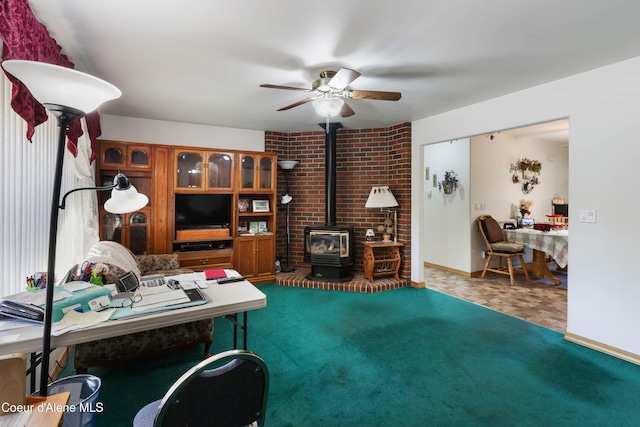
(330, 173)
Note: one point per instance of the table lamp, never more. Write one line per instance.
(382, 197)
(67, 94)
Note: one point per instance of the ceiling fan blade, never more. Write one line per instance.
(343, 77)
(304, 101)
(346, 110)
(373, 94)
(284, 87)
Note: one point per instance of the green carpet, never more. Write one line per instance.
(398, 358)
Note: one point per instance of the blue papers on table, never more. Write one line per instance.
(161, 296)
(70, 296)
(156, 299)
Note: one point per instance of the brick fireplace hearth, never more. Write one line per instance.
(358, 283)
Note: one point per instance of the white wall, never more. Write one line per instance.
(120, 128)
(445, 213)
(602, 106)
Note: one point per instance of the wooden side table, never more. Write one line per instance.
(381, 259)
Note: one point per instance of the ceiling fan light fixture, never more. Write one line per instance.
(328, 107)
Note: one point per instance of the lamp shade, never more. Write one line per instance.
(328, 107)
(381, 197)
(53, 84)
(125, 201)
(287, 164)
(124, 197)
(286, 199)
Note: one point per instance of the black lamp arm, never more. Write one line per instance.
(120, 181)
(105, 188)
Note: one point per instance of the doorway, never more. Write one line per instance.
(490, 188)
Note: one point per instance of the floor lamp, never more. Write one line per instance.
(67, 94)
(287, 166)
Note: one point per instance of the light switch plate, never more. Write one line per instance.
(587, 215)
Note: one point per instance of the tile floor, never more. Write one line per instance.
(538, 301)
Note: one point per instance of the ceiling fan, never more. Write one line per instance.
(330, 90)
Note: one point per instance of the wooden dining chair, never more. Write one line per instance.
(498, 247)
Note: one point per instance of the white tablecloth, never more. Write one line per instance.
(554, 243)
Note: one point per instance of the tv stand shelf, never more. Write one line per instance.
(201, 260)
(202, 234)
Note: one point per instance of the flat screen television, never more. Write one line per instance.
(201, 211)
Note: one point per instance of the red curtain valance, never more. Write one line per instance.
(23, 37)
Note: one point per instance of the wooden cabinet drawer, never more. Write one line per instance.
(200, 260)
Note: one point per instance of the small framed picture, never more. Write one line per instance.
(244, 205)
(242, 227)
(253, 227)
(262, 227)
(261, 206)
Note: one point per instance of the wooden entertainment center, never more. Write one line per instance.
(244, 239)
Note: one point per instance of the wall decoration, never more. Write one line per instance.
(426, 174)
(450, 182)
(435, 180)
(529, 170)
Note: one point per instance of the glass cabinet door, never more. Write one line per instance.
(138, 226)
(266, 166)
(139, 157)
(248, 172)
(113, 156)
(112, 227)
(219, 171)
(119, 155)
(189, 170)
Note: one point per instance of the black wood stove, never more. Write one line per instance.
(329, 247)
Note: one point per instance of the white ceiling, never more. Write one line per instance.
(202, 61)
(556, 131)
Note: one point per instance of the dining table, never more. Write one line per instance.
(554, 243)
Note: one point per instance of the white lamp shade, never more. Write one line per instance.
(53, 84)
(125, 200)
(328, 107)
(286, 199)
(287, 164)
(381, 197)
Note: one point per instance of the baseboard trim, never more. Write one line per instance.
(448, 269)
(603, 348)
(418, 284)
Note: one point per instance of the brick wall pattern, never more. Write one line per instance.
(364, 158)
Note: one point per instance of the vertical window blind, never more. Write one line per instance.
(26, 183)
